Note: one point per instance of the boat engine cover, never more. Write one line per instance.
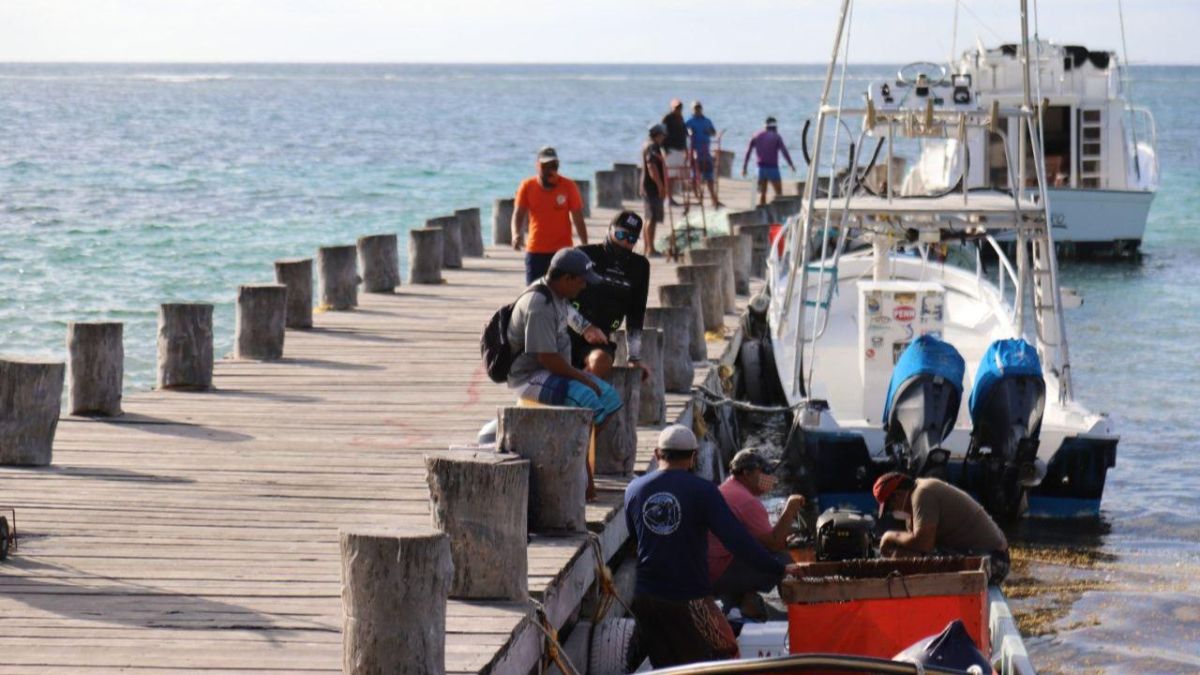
(922, 404)
(844, 534)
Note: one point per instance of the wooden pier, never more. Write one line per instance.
(199, 531)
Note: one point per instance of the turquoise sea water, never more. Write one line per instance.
(124, 186)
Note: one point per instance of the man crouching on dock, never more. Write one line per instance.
(670, 513)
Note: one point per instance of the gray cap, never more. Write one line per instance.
(547, 154)
(677, 437)
(574, 261)
(749, 460)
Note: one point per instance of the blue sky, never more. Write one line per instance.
(557, 31)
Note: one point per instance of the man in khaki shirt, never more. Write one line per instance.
(941, 519)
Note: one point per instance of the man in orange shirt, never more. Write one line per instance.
(548, 205)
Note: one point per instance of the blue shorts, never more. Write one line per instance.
(704, 165)
(549, 389)
(769, 173)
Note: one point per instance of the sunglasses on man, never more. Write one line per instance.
(625, 236)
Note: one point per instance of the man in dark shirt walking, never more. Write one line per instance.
(654, 185)
(619, 296)
(670, 513)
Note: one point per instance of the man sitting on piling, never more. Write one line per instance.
(940, 520)
(670, 513)
(549, 204)
(620, 296)
(735, 582)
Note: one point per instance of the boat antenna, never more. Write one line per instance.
(1128, 84)
(953, 39)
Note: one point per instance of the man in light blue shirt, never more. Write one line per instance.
(701, 130)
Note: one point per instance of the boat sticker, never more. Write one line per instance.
(905, 298)
(908, 332)
(931, 308)
(880, 322)
(874, 302)
(870, 354)
(661, 513)
(877, 341)
(904, 313)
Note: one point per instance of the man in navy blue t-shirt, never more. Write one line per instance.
(670, 512)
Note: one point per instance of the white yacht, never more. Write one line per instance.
(1099, 150)
(890, 334)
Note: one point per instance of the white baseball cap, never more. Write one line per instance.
(677, 437)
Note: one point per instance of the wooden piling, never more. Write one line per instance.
(379, 259)
(760, 247)
(30, 403)
(337, 277)
(723, 258)
(185, 346)
(261, 315)
(725, 162)
(630, 179)
(653, 396)
(395, 584)
(481, 500)
(425, 255)
(740, 248)
(676, 326)
(688, 296)
(616, 442)
(502, 213)
(472, 231)
(751, 217)
(95, 367)
(609, 191)
(297, 276)
(452, 241)
(555, 440)
(585, 194)
(707, 280)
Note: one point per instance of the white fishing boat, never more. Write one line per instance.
(893, 258)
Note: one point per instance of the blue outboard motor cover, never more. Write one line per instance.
(1003, 358)
(927, 355)
(952, 648)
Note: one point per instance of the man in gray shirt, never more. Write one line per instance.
(538, 333)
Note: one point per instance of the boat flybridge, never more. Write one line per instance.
(891, 335)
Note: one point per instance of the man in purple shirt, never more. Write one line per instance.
(767, 144)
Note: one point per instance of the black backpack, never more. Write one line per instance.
(494, 346)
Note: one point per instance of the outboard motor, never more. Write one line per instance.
(1006, 407)
(922, 405)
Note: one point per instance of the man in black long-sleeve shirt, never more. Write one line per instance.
(619, 298)
(676, 146)
(670, 513)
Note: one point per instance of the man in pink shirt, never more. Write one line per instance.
(751, 478)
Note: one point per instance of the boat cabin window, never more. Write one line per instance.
(1059, 157)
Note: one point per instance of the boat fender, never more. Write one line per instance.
(614, 649)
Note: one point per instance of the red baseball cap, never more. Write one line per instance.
(885, 486)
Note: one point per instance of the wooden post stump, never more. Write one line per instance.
(739, 218)
(629, 179)
(297, 276)
(95, 367)
(688, 295)
(676, 326)
(725, 163)
(707, 280)
(425, 255)
(481, 499)
(472, 232)
(555, 440)
(394, 589)
(185, 346)
(740, 251)
(724, 259)
(30, 403)
(337, 277)
(261, 314)
(585, 194)
(653, 397)
(379, 257)
(616, 442)
(784, 207)
(452, 240)
(760, 247)
(608, 190)
(502, 213)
